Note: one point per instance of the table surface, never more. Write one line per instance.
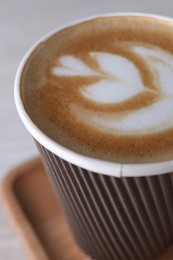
(21, 24)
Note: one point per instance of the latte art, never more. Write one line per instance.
(119, 81)
(104, 88)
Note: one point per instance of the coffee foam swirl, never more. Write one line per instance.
(103, 88)
(119, 81)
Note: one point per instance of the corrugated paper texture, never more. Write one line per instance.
(112, 218)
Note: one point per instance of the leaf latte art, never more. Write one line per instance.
(119, 82)
(104, 88)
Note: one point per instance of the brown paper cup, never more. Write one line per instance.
(110, 217)
(114, 211)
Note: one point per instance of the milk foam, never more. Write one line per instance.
(104, 88)
(118, 81)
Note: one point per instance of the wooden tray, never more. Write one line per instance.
(34, 212)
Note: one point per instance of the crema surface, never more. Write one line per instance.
(104, 88)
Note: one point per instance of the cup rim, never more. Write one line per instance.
(92, 164)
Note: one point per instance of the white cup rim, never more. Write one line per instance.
(92, 164)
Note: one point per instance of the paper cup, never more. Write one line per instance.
(115, 211)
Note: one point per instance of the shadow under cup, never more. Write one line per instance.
(113, 218)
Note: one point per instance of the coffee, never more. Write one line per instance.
(103, 88)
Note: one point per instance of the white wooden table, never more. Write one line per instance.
(22, 22)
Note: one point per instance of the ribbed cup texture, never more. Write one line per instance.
(113, 218)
